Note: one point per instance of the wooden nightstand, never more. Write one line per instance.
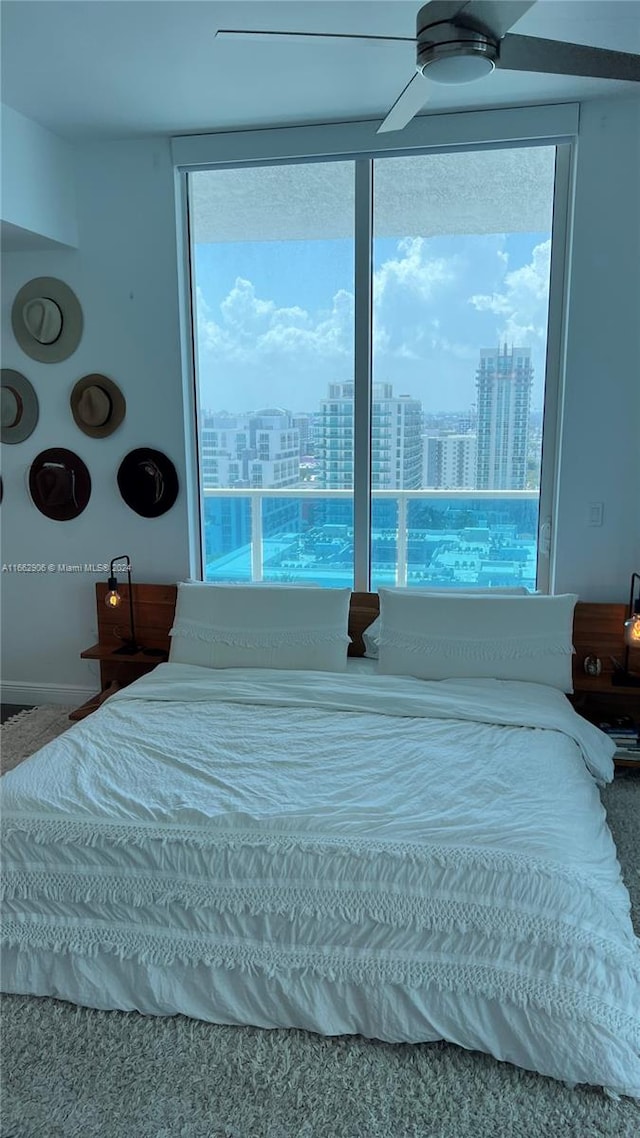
(598, 631)
(120, 668)
(153, 606)
(116, 671)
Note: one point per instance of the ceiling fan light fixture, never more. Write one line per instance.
(449, 53)
(461, 66)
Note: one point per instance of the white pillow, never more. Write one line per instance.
(235, 626)
(371, 635)
(438, 637)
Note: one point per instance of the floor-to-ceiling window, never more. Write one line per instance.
(462, 247)
(457, 264)
(273, 275)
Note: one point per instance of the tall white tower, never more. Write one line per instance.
(396, 439)
(503, 383)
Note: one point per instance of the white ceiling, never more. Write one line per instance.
(125, 68)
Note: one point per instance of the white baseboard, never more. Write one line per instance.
(66, 695)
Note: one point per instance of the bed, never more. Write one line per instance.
(346, 851)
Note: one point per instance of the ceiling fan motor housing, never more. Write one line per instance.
(453, 53)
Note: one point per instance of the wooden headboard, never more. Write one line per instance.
(598, 631)
(153, 609)
(154, 606)
(597, 628)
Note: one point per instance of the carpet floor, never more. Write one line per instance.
(72, 1072)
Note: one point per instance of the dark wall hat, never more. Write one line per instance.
(47, 321)
(148, 482)
(97, 405)
(59, 484)
(19, 406)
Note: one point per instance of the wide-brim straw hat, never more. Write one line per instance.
(19, 406)
(97, 405)
(47, 320)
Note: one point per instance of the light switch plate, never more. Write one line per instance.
(596, 510)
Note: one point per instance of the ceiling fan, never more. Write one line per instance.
(458, 41)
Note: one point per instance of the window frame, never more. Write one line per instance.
(431, 134)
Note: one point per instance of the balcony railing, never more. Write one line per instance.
(318, 494)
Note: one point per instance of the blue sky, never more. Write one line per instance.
(275, 318)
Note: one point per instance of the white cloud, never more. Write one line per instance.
(523, 300)
(405, 288)
(253, 330)
(430, 320)
(249, 329)
(451, 348)
(412, 272)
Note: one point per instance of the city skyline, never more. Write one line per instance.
(494, 445)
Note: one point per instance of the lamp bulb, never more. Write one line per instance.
(632, 631)
(112, 599)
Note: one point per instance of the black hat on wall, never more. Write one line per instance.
(59, 484)
(148, 482)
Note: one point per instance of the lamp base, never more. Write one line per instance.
(624, 679)
(126, 649)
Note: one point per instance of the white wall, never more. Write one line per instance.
(600, 440)
(38, 190)
(125, 274)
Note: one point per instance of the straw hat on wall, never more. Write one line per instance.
(19, 407)
(97, 405)
(47, 321)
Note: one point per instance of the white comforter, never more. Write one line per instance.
(347, 853)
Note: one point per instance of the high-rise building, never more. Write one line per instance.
(224, 440)
(449, 462)
(257, 450)
(396, 439)
(252, 452)
(335, 438)
(303, 423)
(503, 382)
(275, 449)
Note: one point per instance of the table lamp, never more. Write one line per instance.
(113, 600)
(623, 677)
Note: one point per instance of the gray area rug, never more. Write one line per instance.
(72, 1072)
(29, 730)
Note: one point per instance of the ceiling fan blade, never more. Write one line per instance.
(497, 15)
(294, 37)
(439, 11)
(406, 105)
(528, 53)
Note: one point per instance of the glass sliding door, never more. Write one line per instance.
(273, 299)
